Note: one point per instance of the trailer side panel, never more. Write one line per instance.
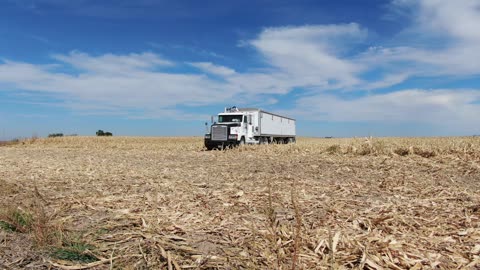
(275, 125)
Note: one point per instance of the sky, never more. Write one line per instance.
(161, 68)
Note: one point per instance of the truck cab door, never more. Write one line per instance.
(250, 131)
(245, 126)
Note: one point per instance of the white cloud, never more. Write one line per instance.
(27, 76)
(459, 19)
(262, 83)
(110, 63)
(122, 82)
(452, 107)
(386, 81)
(311, 55)
(443, 39)
(213, 69)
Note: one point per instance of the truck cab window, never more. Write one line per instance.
(229, 118)
(244, 119)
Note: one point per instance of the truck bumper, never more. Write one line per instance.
(209, 144)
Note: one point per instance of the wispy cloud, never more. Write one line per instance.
(114, 64)
(441, 106)
(446, 39)
(213, 69)
(122, 81)
(188, 48)
(41, 39)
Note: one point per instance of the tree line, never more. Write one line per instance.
(98, 133)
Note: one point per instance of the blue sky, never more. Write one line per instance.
(154, 68)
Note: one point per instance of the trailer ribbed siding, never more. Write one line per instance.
(276, 125)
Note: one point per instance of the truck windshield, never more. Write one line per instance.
(229, 118)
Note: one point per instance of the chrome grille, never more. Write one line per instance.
(219, 133)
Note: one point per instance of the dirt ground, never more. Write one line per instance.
(165, 203)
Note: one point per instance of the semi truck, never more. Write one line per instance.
(238, 126)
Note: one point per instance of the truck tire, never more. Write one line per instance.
(241, 142)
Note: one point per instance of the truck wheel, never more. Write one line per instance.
(241, 142)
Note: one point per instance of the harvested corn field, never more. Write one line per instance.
(164, 203)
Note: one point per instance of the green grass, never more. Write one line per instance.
(23, 219)
(102, 231)
(16, 220)
(7, 226)
(74, 250)
(73, 255)
(332, 149)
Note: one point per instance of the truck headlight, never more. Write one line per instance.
(232, 136)
(207, 136)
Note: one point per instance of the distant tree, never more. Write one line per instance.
(53, 135)
(103, 133)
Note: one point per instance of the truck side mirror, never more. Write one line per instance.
(211, 119)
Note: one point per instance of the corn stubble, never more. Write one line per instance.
(164, 203)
